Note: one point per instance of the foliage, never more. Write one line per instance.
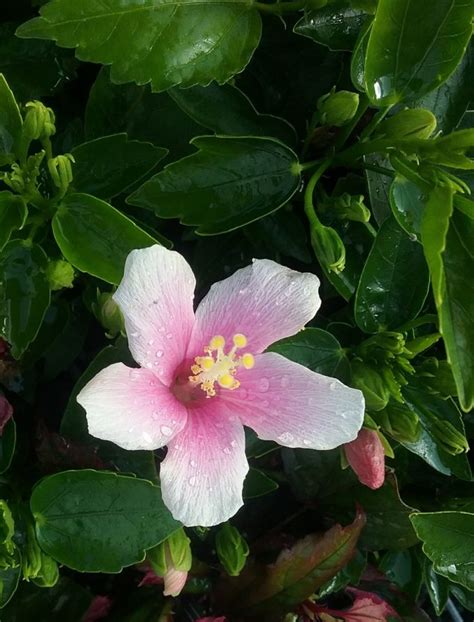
(332, 136)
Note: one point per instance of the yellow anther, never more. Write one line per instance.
(217, 342)
(248, 360)
(206, 362)
(226, 381)
(240, 341)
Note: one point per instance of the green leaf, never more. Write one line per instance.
(448, 240)
(228, 183)
(224, 109)
(7, 445)
(95, 237)
(436, 586)
(383, 301)
(336, 25)
(316, 349)
(433, 412)
(180, 42)
(13, 214)
(257, 484)
(358, 57)
(412, 50)
(297, 573)
(10, 123)
(379, 188)
(24, 293)
(448, 541)
(33, 69)
(95, 521)
(407, 203)
(143, 115)
(109, 165)
(450, 101)
(9, 579)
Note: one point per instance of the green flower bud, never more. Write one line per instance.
(60, 169)
(39, 121)
(60, 274)
(329, 248)
(368, 379)
(452, 440)
(7, 530)
(173, 553)
(108, 313)
(400, 422)
(232, 549)
(338, 108)
(410, 123)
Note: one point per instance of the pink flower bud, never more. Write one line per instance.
(367, 458)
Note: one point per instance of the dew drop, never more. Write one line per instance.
(264, 385)
(135, 374)
(169, 336)
(192, 464)
(210, 489)
(193, 480)
(134, 334)
(227, 450)
(149, 365)
(306, 442)
(286, 437)
(147, 438)
(151, 342)
(332, 385)
(155, 415)
(166, 430)
(161, 329)
(233, 443)
(159, 353)
(285, 381)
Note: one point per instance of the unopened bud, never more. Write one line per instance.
(368, 379)
(232, 549)
(410, 123)
(60, 169)
(60, 274)
(329, 248)
(338, 108)
(108, 314)
(39, 121)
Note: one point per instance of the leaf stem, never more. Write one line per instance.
(376, 119)
(308, 193)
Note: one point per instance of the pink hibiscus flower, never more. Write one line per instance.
(205, 375)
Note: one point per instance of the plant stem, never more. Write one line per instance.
(378, 169)
(278, 8)
(308, 193)
(347, 131)
(376, 119)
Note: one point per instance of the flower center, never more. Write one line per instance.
(217, 366)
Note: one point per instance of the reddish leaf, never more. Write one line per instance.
(6, 412)
(98, 609)
(367, 458)
(367, 607)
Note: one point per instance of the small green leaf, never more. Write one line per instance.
(24, 293)
(316, 349)
(448, 240)
(13, 214)
(257, 484)
(7, 445)
(336, 25)
(407, 203)
(109, 165)
(228, 183)
(9, 579)
(383, 301)
(224, 109)
(412, 50)
(448, 541)
(180, 42)
(95, 237)
(10, 123)
(437, 587)
(95, 521)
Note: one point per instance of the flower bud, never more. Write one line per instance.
(368, 379)
(60, 274)
(171, 560)
(338, 108)
(60, 169)
(329, 248)
(366, 456)
(400, 422)
(410, 123)
(39, 121)
(108, 313)
(232, 549)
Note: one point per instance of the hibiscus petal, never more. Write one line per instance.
(203, 473)
(264, 301)
(288, 403)
(131, 408)
(156, 298)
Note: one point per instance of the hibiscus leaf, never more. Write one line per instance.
(383, 301)
(13, 213)
(448, 541)
(10, 123)
(184, 42)
(106, 236)
(228, 183)
(107, 166)
(404, 61)
(98, 521)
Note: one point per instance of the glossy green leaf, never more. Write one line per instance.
(7, 445)
(407, 203)
(448, 240)
(257, 484)
(9, 579)
(358, 57)
(432, 411)
(109, 165)
(336, 25)
(225, 109)
(379, 187)
(24, 293)
(228, 183)
(33, 69)
(437, 587)
(448, 541)
(179, 42)
(95, 237)
(412, 50)
(404, 569)
(383, 301)
(10, 123)
(316, 349)
(96, 521)
(12, 215)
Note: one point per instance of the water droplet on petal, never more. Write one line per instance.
(285, 381)
(134, 334)
(264, 384)
(286, 437)
(147, 438)
(155, 415)
(227, 450)
(193, 464)
(233, 443)
(166, 430)
(159, 353)
(332, 385)
(306, 442)
(193, 480)
(169, 335)
(151, 342)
